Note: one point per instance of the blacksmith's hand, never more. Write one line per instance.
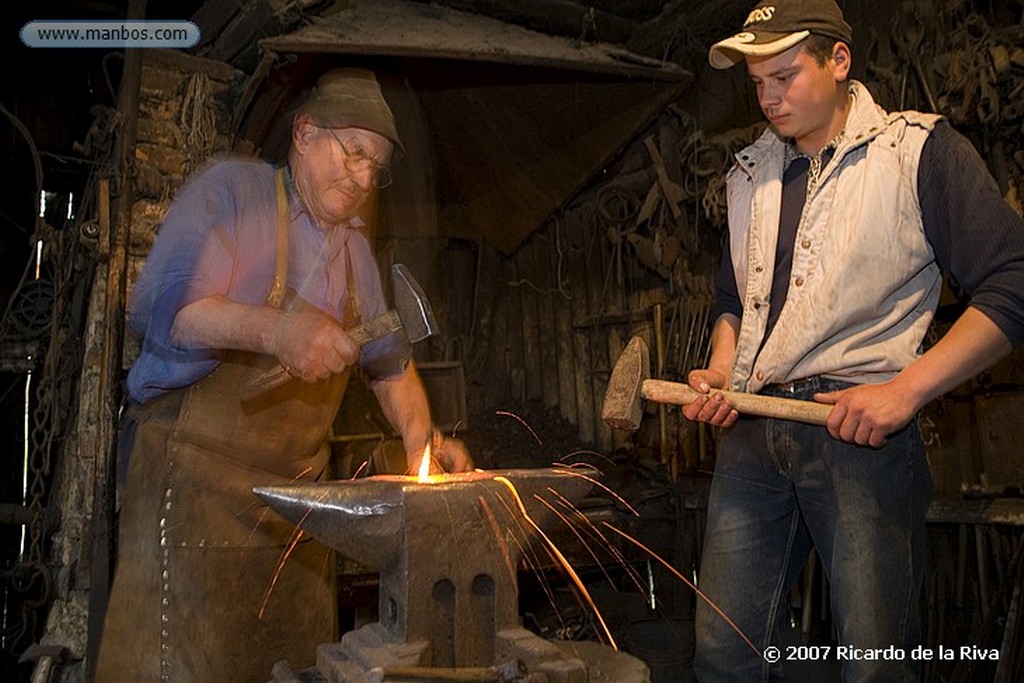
(454, 456)
(447, 454)
(312, 346)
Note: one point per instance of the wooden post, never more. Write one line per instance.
(100, 566)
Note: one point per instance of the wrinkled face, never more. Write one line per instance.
(800, 98)
(332, 190)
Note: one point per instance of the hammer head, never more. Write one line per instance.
(411, 305)
(622, 407)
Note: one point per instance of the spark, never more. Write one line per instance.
(292, 542)
(529, 552)
(575, 531)
(593, 531)
(604, 488)
(266, 509)
(562, 560)
(363, 466)
(521, 420)
(583, 451)
(532, 562)
(529, 555)
(498, 536)
(688, 583)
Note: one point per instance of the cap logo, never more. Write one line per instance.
(760, 14)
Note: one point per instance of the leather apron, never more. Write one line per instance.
(210, 584)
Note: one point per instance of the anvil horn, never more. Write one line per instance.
(359, 520)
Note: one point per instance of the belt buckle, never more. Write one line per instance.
(793, 386)
(787, 387)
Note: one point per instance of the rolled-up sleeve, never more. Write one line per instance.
(388, 356)
(192, 258)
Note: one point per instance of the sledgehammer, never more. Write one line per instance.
(630, 382)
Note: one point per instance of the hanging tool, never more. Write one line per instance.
(674, 194)
(908, 39)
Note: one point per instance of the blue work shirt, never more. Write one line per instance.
(220, 238)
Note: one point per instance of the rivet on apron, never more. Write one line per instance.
(165, 602)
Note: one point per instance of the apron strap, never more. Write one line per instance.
(277, 291)
(353, 316)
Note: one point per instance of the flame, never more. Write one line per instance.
(424, 474)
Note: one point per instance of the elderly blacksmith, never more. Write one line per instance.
(253, 265)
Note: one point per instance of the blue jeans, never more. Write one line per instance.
(781, 487)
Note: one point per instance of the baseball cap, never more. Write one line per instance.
(351, 98)
(774, 26)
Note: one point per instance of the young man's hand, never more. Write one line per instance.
(710, 406)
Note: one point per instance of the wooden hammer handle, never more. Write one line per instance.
(264, 381)
(680, 394)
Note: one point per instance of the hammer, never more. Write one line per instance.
(412, 315)
(630, 382)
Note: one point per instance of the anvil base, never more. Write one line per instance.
(365, 656)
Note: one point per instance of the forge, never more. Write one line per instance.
(448, 551)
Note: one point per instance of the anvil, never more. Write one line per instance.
(448, 552)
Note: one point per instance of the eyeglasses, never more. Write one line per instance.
(358, 161)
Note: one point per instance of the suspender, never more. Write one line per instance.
(352, 316)
(277, 291)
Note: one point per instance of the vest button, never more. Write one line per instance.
(759, 269)
(759, 375)
(806, 244)
(757, 305)
(799, 282)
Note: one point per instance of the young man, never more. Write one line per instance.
(840, 218)
(205, 589)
